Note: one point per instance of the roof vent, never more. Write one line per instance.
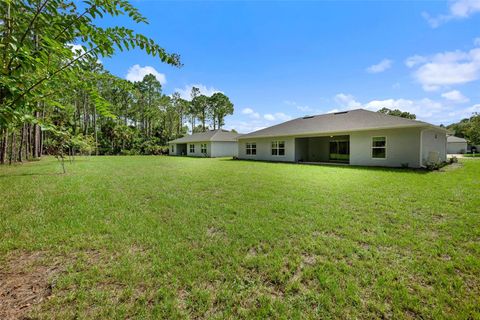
(342, 112)
(307, 117)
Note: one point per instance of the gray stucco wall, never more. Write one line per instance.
(402, 147)
(224, 149)
(264, 149)
(434, 140)
(214, 149)
(456, 147)
(197, 152)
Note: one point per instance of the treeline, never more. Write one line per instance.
(468, 128)
(58, 100)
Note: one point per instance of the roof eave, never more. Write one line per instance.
(324, 133)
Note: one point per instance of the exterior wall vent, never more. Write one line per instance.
(342, 112)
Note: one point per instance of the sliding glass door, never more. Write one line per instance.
(340, 150)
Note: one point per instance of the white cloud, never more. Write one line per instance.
(269, 117)
(278, 116)
(251, 113)
(426, 109)
(333, 110)
(455, 96)
(380, 67)
(253, 121)
(137, 73)
(185, 92)
(347, 101)
(415, 60)
(446, 69)
(458, 9)
(77, 49)
(245, 126)
(302, 108)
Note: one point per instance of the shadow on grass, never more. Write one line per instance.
(339, 166)
(31, 175)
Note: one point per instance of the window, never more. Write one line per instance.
(192, 148)
(379, 147)
(278, 148)
(173, 148)
(203, 148)
(251, 148)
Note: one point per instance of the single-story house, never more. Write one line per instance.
(456, 145)
(356, 137)
(212, 143)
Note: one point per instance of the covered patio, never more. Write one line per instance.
(179, 149)
(326, 149)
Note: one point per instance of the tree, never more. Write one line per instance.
(150, 91)
(193, 106)
(202, 109)
(38, 60)
(221, 106)
(398, 113)
(473, 131)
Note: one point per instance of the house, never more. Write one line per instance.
(212, 143)
(356, 137)
(456, 145)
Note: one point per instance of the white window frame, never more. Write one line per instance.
(249, 147)
(277, 147)
(191, 147)
(203, 146)
(173, 148)
(372, 147)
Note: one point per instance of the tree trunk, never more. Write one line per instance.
(36, 137)
(95, 129)
(12, 148)
(42, 134)
(3, 150)
(22, 141)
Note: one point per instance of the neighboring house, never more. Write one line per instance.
(213, 143)
(456, 145)
(356, 137)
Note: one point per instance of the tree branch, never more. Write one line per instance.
(39, 10)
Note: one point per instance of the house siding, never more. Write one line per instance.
(224, 149)
(434, 140)
(198, 152)
(402, 147)
(456, 147)
(264, 149)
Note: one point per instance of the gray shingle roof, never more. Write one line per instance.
(455, 139)
(211, 135)
(346, 121)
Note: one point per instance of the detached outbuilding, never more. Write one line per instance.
(213, 143)
(356, 137)
(456, 145)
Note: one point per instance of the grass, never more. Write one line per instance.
(170, 237)
(472, 155)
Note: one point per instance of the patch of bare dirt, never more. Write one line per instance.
(214, 232)
(451, 167)
(25, 281)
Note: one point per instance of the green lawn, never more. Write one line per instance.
(170, 237)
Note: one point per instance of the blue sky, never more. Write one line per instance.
(280, 60)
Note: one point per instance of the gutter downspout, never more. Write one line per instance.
(421, 149)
